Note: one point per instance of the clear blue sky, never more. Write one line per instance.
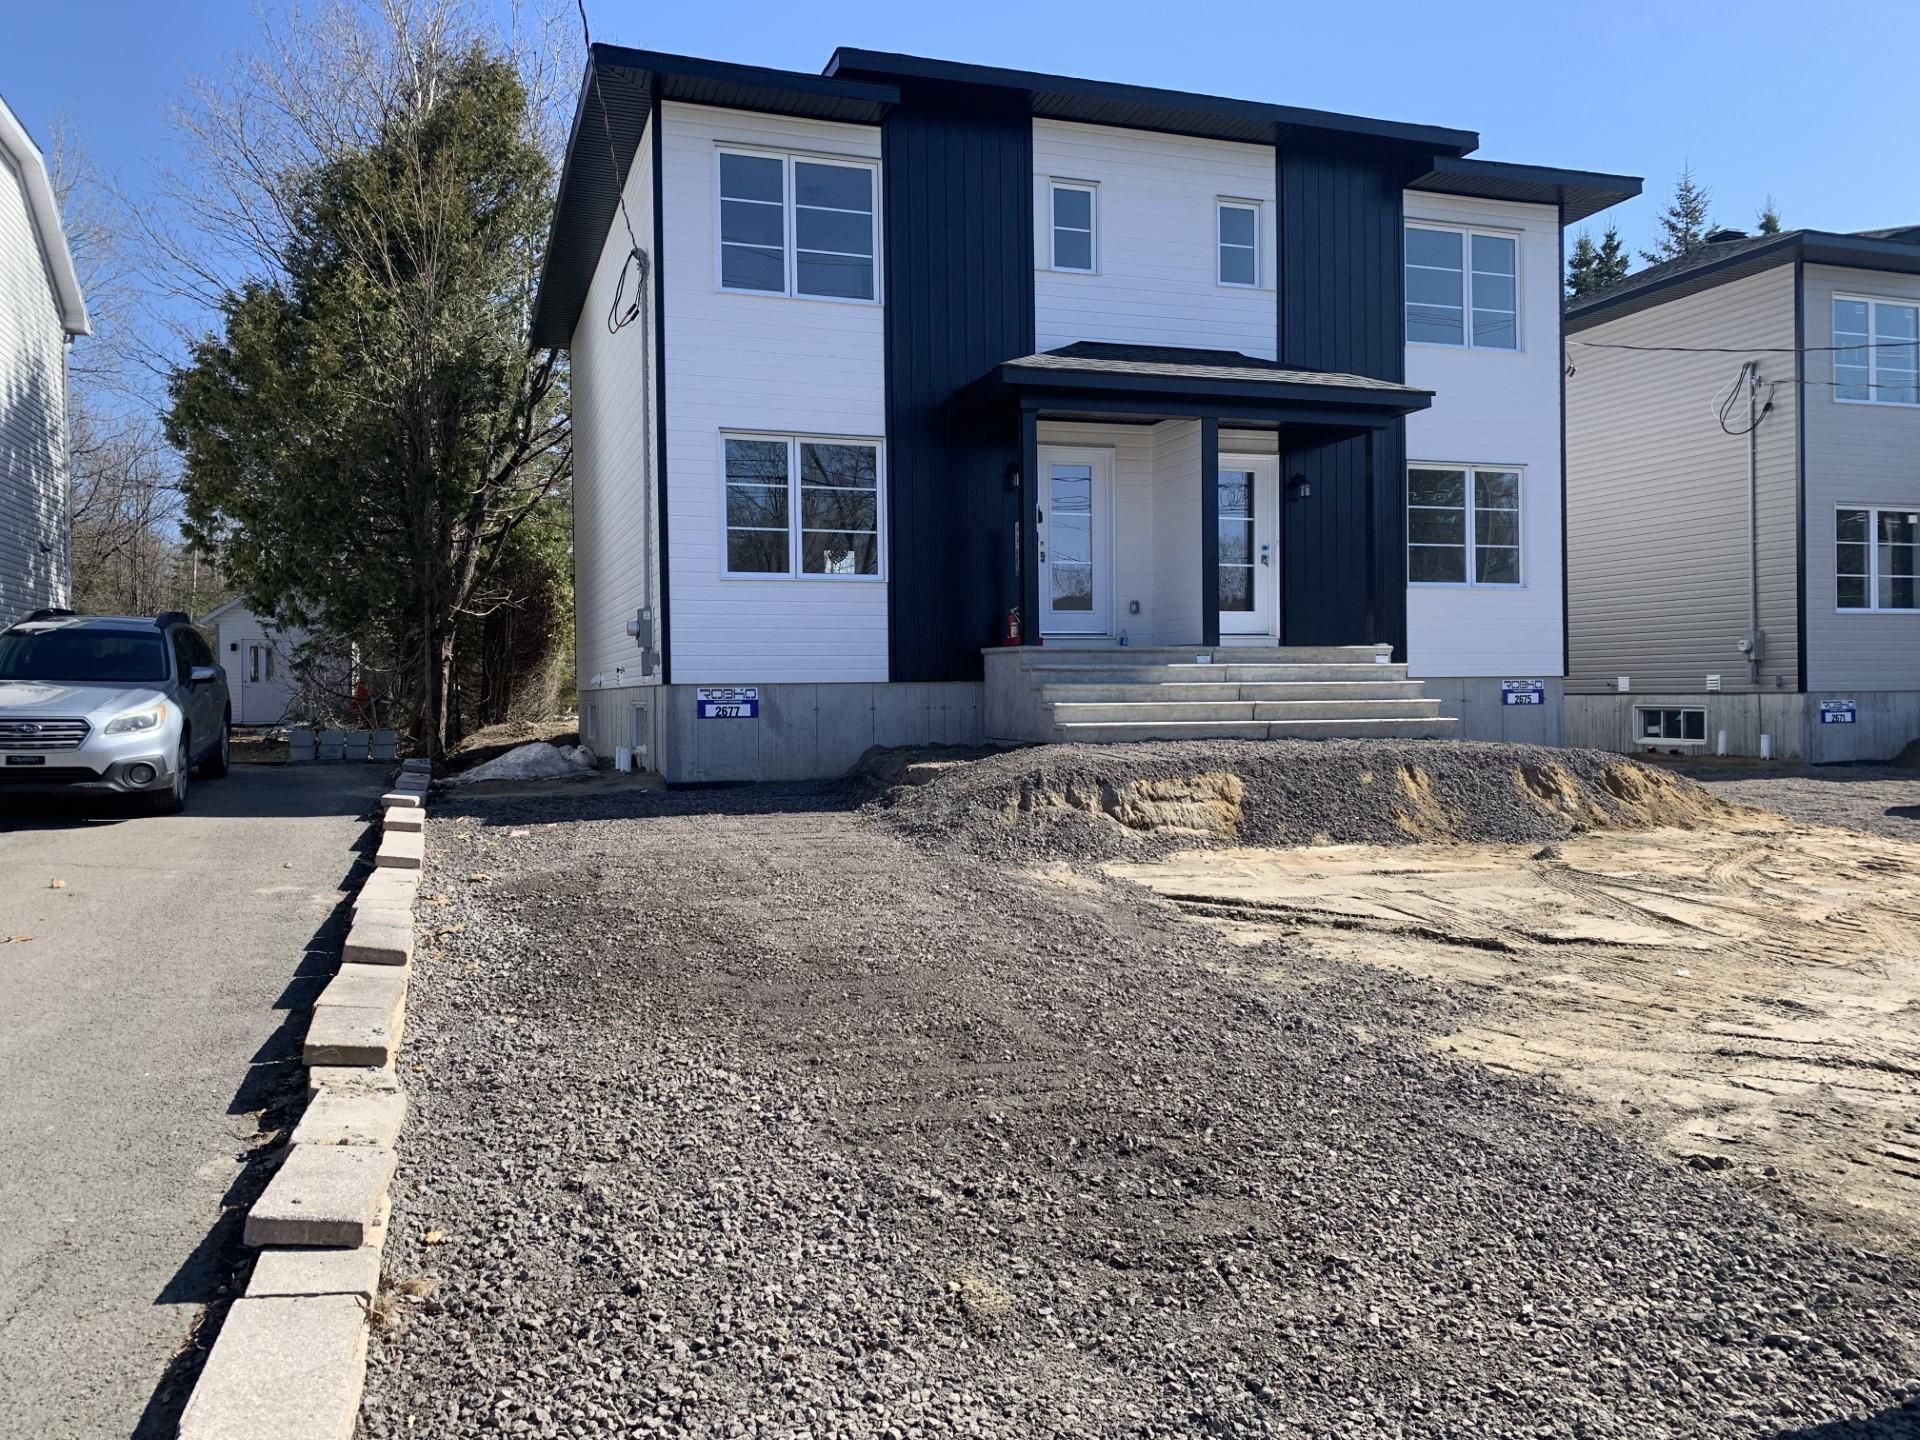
(1810, 104)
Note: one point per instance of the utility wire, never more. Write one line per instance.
(623, 312)
(1748, 349)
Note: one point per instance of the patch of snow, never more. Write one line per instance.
(536, 760)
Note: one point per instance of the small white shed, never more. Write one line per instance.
(258, 660)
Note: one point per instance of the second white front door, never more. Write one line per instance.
(1249, 546)
(1076, 581)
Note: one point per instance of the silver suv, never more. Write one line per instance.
(110, 704)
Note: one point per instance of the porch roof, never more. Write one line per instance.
(1167, 380)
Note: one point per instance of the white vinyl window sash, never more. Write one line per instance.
(1071, 217)
(801, 506)
(1463, 525)
(1237, 230)
(1462, 287)
(803, 226)
(1874, 559)
(1876, 357)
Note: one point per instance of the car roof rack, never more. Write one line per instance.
(50, 612)
(172, 617)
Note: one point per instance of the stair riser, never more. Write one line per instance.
(1222, 655)
(1213, 674)
(1076, 714)
(1177, 693)
(1435, 729)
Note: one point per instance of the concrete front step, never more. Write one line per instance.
(1438, 727)
(1176, 691)
(1220, 654)
(1215, 674)
(1065, 713)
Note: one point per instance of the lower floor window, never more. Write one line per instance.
(796, 506)
(1873, 559)
(1679, 726)
(1463, 525)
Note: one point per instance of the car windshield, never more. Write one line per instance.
(83, 657)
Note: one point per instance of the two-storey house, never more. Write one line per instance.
(1743, 450)
(41, 310)
(921, 401)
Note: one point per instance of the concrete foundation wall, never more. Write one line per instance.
(1885, 722)
(1475, 702)
(803, 732)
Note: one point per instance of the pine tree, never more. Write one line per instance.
(1684, 223)
(1594, 267)
(1769, 218)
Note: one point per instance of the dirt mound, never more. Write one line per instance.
(1106, 802)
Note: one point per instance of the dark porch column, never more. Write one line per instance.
(1029, 527)
(1209, 530)
(1372, 493)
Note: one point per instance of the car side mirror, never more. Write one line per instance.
(202, 675)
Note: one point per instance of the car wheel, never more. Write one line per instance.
(174, 800)
(216, 764)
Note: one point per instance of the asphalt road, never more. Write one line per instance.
(145, 1058)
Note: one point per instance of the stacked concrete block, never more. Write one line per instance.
(301, 748)
(381, 745)
(333, 744)
(357, 744)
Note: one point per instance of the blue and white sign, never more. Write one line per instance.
(727, 702)
(1523, 692)
(1836, 712)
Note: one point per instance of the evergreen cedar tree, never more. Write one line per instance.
(370, 431)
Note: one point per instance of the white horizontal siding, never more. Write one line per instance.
(33, 427)
(1494, 408)
(1856, 455)
(1657, 493)
(767, 363)
(1155, 240)
(615, 534)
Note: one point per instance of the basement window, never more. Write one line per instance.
(1675, 725)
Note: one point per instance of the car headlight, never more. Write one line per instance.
(137, 720)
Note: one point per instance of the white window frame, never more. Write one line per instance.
(1092, 192)
(1873, 605)
(789, 226)
(1466, 232)
(1472, 507)
(1228, 202)
(1639, 724)
(1873, 351)
(795, 529)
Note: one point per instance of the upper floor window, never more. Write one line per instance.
(1873, 557)
(1462, 288)
(1463, 526)
(1876, 351)
(802, 507)
(1238, 226)
(794, 225)
(1072, 224)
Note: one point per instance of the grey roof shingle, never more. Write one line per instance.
(1175, 362)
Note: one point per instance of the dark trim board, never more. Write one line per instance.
(1209, 530)
(660, 395)
(1800, 471)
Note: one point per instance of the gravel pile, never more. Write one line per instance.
(735, 1115)
(1096, 802)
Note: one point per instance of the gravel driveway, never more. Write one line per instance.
(736, 1114)
(1877, 798)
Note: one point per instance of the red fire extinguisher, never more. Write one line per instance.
(1012, 633)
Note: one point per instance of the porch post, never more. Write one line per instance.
(1371, 493)
(1209, 530)
(1029, 527)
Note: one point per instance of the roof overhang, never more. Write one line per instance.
(17, 146)
(604, 141)
(1577, 194)
(1144, 107)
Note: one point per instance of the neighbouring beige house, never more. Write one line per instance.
(1743, 500)
(41, 311)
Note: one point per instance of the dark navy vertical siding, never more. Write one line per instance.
(959, 268)
(1340, 308)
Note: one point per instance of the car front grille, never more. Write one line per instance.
(42, 734)
(42, 776)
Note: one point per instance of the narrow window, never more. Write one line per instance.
(1874, 559)
(758, 536)
(1463, 526)
(1678, 726)
(1073, 227)
(1463, 288)
(839, 509)
(753, 231)
(833, 230)
(1876, 354)
(1239, 233)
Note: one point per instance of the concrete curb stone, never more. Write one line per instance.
(351, 1035)
(400, 800)
(338, 1117)
(379, 935)
(366, 987)
(323, 1272)
(322, 1195)
(401, 850)
(351, 1080)
(406, 820)
(287, 1367)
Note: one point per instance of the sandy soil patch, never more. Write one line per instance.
(1746, 999)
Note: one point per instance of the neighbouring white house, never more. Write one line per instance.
(259, 661)
(918, 401)
(41, 312)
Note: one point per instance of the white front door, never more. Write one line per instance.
(1249, 546)
(1076, 583)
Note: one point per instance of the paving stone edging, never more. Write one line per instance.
(292, 1355)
